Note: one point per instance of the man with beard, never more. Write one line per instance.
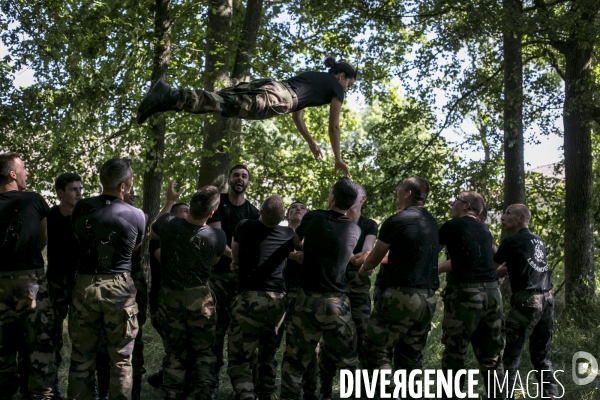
(62, 266)
(233, 208)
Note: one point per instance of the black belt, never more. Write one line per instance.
(476, 285)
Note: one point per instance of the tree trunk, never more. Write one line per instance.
(514, 165)
(222, 135)
(154, 155)
(579, 217)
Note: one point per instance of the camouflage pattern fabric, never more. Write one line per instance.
(26, 311)
(360, 306)
(103, 305)
(224, 287)
(400, 324)
(531, 317)
(314, 316)
(256, 319)
(258, 99)
(188, 318)
(140, 279)
(474, 315)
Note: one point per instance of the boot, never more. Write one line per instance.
(160, 98)
(136, 388)
(155, 379)
(103, 379)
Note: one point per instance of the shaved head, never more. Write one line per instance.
(521, 209)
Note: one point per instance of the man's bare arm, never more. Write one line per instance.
(374, 258)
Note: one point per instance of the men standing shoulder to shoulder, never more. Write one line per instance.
(186, 307)
(329, 239)
(109, 231)
(62, 253)
(531, 315)
(25, 306)
(260, 250)
(232, 209)
(401, 320)
(474, 314)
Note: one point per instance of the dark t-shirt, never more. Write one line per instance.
(263, 253)
(525, 258)
(154, 274)
(316, 89)
(292, 273)
(108, 229)
(63, 247)
(20, 217)
(329, 239)
(367, 227)
(470, 246)
(413, 259)
(186, 251)
(379, 276)
(229, 216)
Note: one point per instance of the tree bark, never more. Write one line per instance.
(154, 155)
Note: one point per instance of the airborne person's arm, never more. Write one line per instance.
(301, 126)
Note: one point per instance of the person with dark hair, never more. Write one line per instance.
(109, 230)
(26, 312)
(260, 250)
(474, 312)
(186, 307)
(359, 294)
(233, 208)
(401, 320)
(522, 255)
(62, 242)
(329, 239)
(265, 98)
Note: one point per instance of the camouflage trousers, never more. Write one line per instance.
(256, 319)
(103, 305)
(473, 314)
(188, 320)
(360, 306)
(258, 99)
(317, 315)
(531, 317)
(61, 289)
(26, 312)
(225, 289)
(309, 378)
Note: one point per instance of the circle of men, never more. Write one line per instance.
(221, 266)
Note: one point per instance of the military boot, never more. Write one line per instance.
(136, 389)
(160, 98)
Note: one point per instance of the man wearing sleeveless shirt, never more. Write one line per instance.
(474, 313)
(260, 250)
(360, 291)
(401, 320)
(232, 209)
(329, 239)
(25, 306)
(109, 231)
(186, 307)
(531, 315)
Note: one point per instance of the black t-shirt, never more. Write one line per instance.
(263, 253)
(229, 216)
(367, 227)
(186, 251)
(379, 276)
(154, 273)
(108, 229)
(292, 273)
(63, 247)
(329, 239)
(20, 217)
(413, 259)
(525, 258)
(470, 246)
(315, 89)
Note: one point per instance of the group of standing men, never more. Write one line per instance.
(223, 266)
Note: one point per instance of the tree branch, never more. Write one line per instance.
(554, 63)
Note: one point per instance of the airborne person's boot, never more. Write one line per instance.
(160, 98)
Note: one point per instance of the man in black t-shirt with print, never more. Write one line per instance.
(329, 239)
(232, 209)
(25, 305)
(474, 314)
(109, 231)
(402, 317)
(186, 306)
(260, 250)
(531, 315)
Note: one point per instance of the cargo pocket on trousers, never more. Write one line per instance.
(131, 323)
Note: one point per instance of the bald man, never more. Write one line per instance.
(531, 315)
